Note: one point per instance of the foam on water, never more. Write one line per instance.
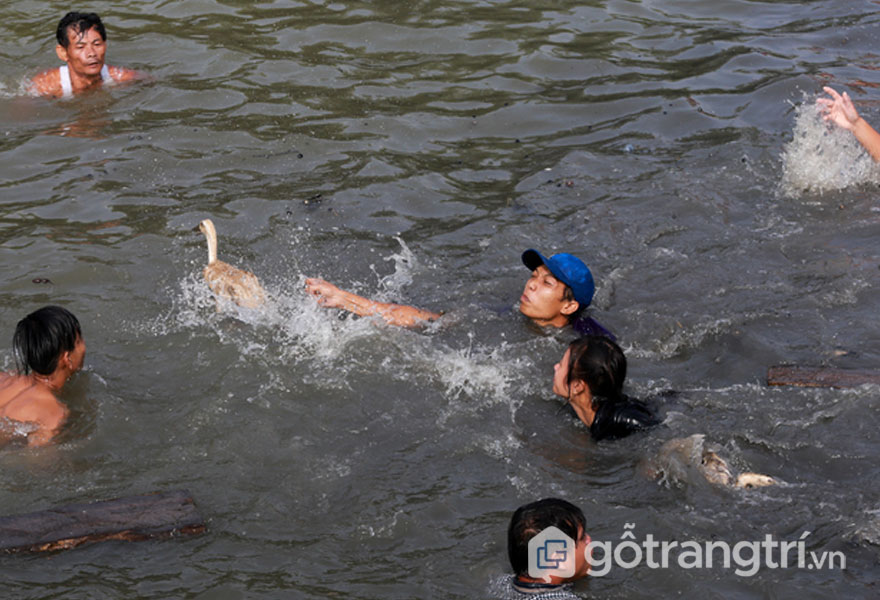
(866, 529)
(500, 448)
(847, 294)
(821, 157)
(15, 90)
(681, 339)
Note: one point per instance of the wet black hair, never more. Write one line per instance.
(531, 519)
(80, 23)
(41, 337)
(600, 364)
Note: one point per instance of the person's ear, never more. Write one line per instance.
(577, 387)
(570, 307)
(61, 51)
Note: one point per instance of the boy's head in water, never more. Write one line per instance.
(529, 521)
(558, 291)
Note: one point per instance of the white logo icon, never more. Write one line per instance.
(551, 552)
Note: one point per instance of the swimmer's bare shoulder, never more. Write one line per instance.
(47, 83)
(23, 401)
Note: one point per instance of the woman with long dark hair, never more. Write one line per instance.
(590, 376)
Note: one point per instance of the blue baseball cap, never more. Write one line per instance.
(568, 269)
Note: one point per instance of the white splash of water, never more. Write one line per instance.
(306, 329)
(471, 372)
(867, 528)
(822, 157)
(17, 89)
(291, 328)
(16, 429)
(384, 528)
(404, 265)
(500, 448)
(680, 339)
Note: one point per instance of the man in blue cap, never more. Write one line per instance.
(558, 292)
(555, 295)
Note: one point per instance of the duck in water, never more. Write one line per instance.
(227, 281)
(676, 455)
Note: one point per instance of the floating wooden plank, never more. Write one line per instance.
(820, 376)
(134, 518)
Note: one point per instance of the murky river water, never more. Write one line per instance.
(411, 151)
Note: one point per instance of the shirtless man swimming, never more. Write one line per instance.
(49, 348)
(556, 294)
(82, 43)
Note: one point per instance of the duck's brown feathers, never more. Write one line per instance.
(227, 281)
(241, 287)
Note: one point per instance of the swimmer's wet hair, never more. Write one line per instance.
(531, 519)
(41, 337)
(80, 23)
(599, 363)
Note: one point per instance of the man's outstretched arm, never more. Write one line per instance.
(839, 110)
(400, 315)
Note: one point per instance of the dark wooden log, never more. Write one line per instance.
(819, 376)
(134, 518)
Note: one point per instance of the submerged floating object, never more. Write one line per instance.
(820, 376)
(133, 518)
(227, 281)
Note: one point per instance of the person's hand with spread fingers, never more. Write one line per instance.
(839, 109)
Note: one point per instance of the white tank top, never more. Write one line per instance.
(67, 88)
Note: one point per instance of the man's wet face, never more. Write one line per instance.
(542, 299)
(85, 51)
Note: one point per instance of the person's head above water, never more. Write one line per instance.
(43, 337)
(558, 291)
(74, 25)
(592, 369)
(590, 376)
(82, 43)
(531, 519)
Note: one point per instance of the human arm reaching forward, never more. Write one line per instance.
(400, 315)
(839, 110)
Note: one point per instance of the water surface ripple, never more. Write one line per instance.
(410, 152)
